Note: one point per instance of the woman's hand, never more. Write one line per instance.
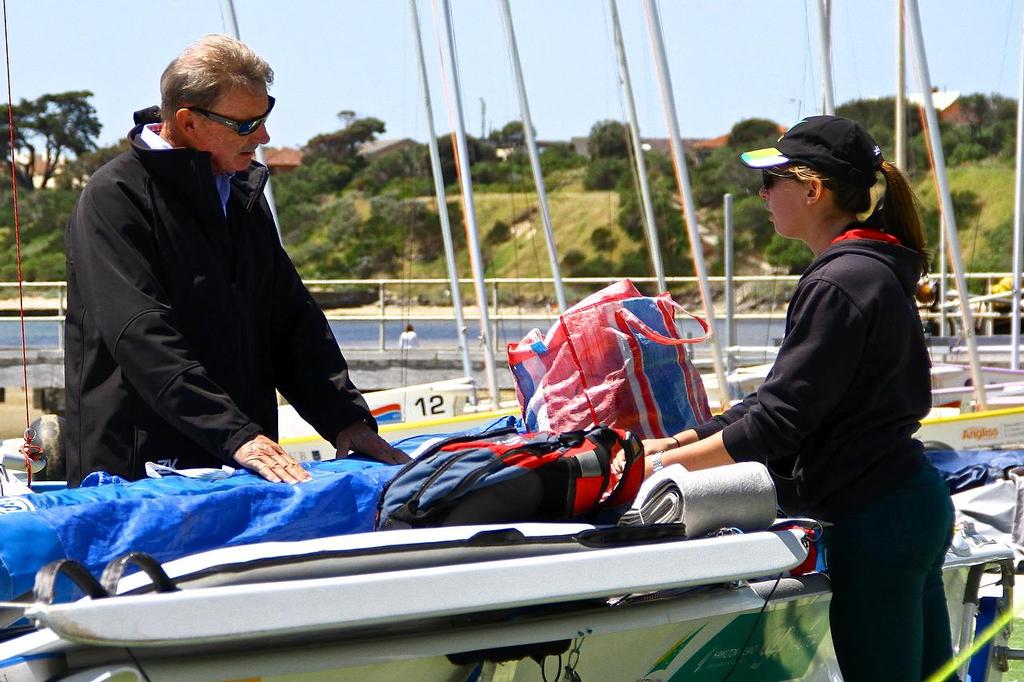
(655, 445)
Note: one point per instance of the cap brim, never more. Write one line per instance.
(764, 158)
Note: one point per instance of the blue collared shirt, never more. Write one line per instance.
(151, 137)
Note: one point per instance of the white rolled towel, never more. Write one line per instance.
(734, 496)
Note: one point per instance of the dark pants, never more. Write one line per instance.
(888, 613)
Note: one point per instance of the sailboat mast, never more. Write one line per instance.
(948, 218)
(469, 208)
(901, 89)
(442, 198)
(1018, 224)
(827, 91)
(686, 192)
(638, 151)
(268, 191)
(531, 146)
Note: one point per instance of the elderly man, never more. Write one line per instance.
(184, 312)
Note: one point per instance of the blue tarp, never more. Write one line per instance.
(965, 469)
(172, 517)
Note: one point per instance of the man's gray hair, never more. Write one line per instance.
(207, 69)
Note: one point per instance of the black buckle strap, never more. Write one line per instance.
(46, 580)
(114, 571)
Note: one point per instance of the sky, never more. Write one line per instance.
(728, 60)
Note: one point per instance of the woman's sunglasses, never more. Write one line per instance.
(768, 177)
(241, 127)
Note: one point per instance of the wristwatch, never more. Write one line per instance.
(656, 464)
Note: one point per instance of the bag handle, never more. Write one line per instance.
(629, 319)
(632, 450)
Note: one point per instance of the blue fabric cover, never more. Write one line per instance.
(965, 469)
(168, 518)
(172, 517)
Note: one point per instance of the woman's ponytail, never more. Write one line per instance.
(899, 210)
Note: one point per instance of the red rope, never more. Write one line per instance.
(29, 451)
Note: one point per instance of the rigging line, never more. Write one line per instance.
(753, 629)
(29, 452)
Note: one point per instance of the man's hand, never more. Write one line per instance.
(266, 458)
(359, 437)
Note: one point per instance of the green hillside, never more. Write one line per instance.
(983, 194)
(349, 215)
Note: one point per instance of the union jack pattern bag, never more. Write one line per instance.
(614, 358)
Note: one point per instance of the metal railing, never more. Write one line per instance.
(511, 299)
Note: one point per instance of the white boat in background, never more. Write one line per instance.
(438, 407)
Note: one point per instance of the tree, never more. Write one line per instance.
(82, 168)
(754, 133)
(343, 145)
(499, 233)
(476, 149)
(62, 124)
(608, 140)
(511, 135)
(603, 240)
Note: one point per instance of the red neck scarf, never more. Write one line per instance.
(867, 233)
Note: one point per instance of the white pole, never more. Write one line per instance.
(827, 91)
(1018, 224)
(531, 146)
(901, 90)
(683, 181)
(730, 290)
(948, 218)
(469, 209)
(442, 200)
(268, 191)
(653, 243)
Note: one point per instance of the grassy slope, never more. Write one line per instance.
(993, 184)
(576, 213)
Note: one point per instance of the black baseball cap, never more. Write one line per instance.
(836, 146)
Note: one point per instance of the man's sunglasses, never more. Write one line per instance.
(241, 127)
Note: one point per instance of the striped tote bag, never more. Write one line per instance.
(616, 359)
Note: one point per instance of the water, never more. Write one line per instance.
(433, 334)
(443, 334)
(38, 334)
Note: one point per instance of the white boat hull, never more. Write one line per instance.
(691, 616)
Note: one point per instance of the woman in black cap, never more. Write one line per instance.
(835, 418)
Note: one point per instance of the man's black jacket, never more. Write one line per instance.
(181, 322)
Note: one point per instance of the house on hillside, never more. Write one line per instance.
(282, 159)
(39, 170)
(696, 149)
(378, 147)
(946, 102)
